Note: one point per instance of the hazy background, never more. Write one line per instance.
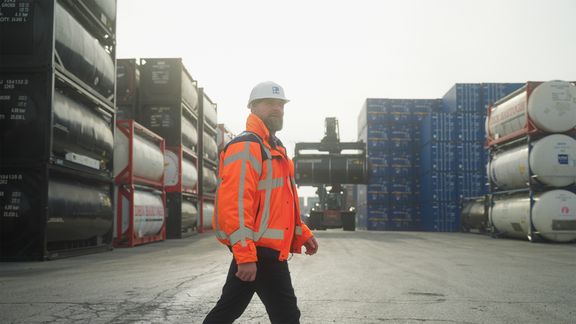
(331, 55)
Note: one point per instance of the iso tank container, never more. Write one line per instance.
(474, 214)
(63, 126)
(538, 106)
(552, 214)
(342, 168)
(210, 147)
(210, 180)
(182, 215)
(138, 155)
(209, 110)
(66, 35)
(207, 214)
(127, 87)
(168, 96)
(550, 161)
(82, 54)
(180, 172)
(46, 213)
(140, 216)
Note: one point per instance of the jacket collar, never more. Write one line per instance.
(255, 125)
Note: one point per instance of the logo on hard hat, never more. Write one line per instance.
(275, 90)
(565, 210)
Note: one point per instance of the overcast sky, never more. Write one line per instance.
(331, 55)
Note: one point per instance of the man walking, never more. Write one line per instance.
(258, 214)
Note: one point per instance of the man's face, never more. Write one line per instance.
(271, 111)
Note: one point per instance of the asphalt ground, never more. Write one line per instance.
(356, 277)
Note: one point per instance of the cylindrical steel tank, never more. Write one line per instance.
(78, 210)
(189, 215)
(550, 105)
(79, 129)
(207, 214)
(210, 181)
(210, 112)
(553, 215)
(552, 159)
(474, 215)
(189, 134)
(82, 54)
(105, 7)
(333, 169)
(172, 171)
(147, 157)
(210, 147)
(149, 213)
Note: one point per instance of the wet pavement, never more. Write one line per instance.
(357, 277)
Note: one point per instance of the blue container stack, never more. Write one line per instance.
(438, 172)
(390, 128)
(425, 155)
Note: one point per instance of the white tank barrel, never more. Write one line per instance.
(210, 147)
(552, 159)
(149, 214)
(551, 106)
(210, 112)
(189, 174)
(189, 134)
(553, 215)
(189, 215)
(210, 181)
(172, 171)
(147, 157)
(207, 214)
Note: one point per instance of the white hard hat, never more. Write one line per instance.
(267, 90)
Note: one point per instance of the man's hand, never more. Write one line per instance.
(311, 246)
(247, 271)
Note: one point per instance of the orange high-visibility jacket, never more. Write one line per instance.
(256, 200)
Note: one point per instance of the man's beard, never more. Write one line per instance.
(274, 123)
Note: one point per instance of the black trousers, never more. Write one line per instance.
(274, 287)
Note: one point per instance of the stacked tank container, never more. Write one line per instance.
(139, 192)
(169, 106)
(532, 169)
(208, 161)
(390, 128)
(57, 84)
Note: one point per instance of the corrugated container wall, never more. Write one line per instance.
(424, 156)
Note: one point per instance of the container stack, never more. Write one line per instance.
(532, 168)
(390, 128)
(425, 156)
(453, 155)
(169, 106)
(57, 63)
(139, 177)
(438, 173)
(208, 159)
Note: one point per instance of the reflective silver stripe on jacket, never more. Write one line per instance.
(243, 232)
(298, 230)
(268, 184)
